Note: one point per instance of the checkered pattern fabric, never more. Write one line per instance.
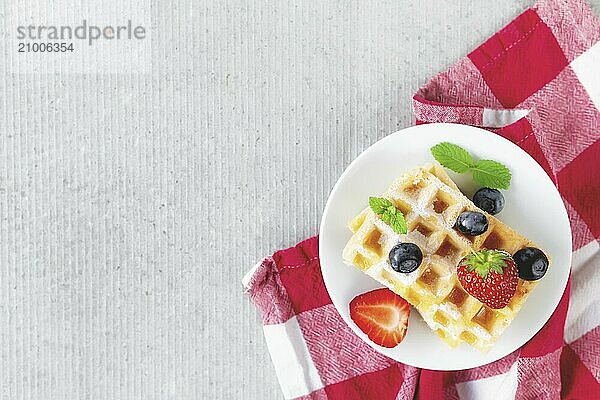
(537, 83)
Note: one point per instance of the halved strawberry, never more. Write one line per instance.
(490, 276)
(382, 315)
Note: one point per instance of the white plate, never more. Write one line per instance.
(533, 207)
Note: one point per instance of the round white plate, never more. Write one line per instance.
(533, 207)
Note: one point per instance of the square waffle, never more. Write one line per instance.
(431, 202)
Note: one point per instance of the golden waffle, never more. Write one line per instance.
(431, 202)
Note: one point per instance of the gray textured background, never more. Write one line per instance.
(131, 205)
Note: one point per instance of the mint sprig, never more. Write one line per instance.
(389, 214)
(487, 173)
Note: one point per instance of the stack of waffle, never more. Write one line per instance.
(431, 202)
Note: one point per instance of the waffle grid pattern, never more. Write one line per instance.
(431, 202)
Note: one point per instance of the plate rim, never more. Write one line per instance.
(544, 175)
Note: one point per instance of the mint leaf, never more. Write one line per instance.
(379, 205)
(389, 214)
(398, 223)
(487, 173)
(386, 217)
(491, 174)
(452, 157)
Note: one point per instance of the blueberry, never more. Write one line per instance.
(405, 257)
(531, 262)
(489, 200)
(472, 223)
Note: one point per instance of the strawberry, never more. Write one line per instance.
(490, 276)
(382, 315)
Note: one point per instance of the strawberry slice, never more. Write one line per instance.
(382, 315)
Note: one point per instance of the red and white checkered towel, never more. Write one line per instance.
(537, 83)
